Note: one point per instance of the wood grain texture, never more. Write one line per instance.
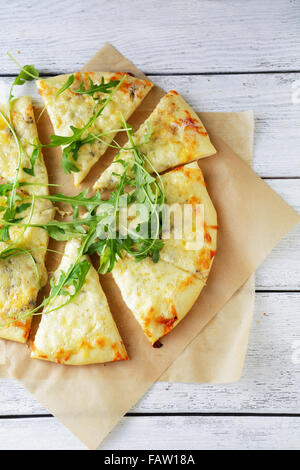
(270, 382)
(281, 269)
(161, 37)
(160, 432)
(224, 44)
(277, 119)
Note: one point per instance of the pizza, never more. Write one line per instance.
(83, 331)
(24, 124)
(196, 248)
(23, 275)
(158, 294)
(87, 110)
(161, 294)
(177, 137)
(74, 109)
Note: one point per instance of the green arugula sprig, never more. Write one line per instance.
(147, 190)
(27, 73)
(66, 85)
(94, 88)
(33, 159)
(73, 142)
(68, 285)
(81, 200)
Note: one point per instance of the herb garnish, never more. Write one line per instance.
(73, 142)
(98, 227)
(97, 88)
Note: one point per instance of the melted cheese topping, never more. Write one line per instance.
(19, 281)
(178, 137)
(71, 109)
(186, 185)
(82, 332)
(158, 294)
(25, 127)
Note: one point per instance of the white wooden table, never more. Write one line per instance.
(222, 56)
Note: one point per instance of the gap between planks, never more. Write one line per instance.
(170, 414)
(176, 74)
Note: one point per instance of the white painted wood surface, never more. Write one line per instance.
(160, 432)
(160, 36)
(277, 119)
(217, 40)
(270, 382)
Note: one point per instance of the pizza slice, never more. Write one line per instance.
(190, 242)
(71, 108)
(161, 294)
(178, 137)
(32, 168)
(82, 332)
(22, 255)
(189, 223)
(22, 270)
(158, 294)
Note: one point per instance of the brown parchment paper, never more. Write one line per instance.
(90, 400)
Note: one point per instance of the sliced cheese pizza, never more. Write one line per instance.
(192, 243)
(24, 124)
(158, 294)
(69, 108)
(22, 271)
(83, 331)
(161, 294)
(22, 275)
(178, 137)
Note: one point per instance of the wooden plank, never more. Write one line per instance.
(270, 382)
(277, 119)
(202, 432)
(36, 434)
(206, 36)
(281, 270)
(160, 432)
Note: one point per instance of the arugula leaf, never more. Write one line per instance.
(22, 207)
(68, 153)
(66, 85)
(27, 74)
(34, 156)
(81, 200)
(4, 233)
(94, 88)
(73, 142)
(74, 278)
(7, 187)
(63, 231)
(57, 140)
